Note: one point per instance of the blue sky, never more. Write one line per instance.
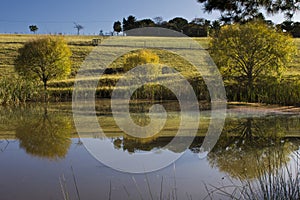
(57, 16)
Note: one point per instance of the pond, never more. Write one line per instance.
(43, 157)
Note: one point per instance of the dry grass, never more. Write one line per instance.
(81, 46)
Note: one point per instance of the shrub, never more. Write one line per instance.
(142, 57)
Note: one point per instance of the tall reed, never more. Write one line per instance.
(283, 183)
(16, 90)
(267, 90)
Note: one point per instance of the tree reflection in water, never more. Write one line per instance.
(44, 134)
(247, 148)
(251, 147)
(133, 144)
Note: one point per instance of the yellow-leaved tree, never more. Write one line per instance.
(44, 59)
(245, 53)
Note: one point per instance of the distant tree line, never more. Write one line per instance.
(291, 27)
(198, 27)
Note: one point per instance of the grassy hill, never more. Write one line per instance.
(81, 46)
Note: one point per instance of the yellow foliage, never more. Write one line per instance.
(247, 53)
(45, 58)
(142, 57)
(251, 50)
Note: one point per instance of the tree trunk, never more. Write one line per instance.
(249, 129)
(45, 111)
(45, 92)
(250, 86)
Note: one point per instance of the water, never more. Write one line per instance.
(42, 157)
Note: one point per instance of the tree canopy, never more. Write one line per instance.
(129, 23)
(145, 23)
(44, 59)
(248, 52)
(33, 28)
(117, 27)
(178, 23)
(291, 27)
(45, 135)
(199, 27)
(250, 147)
(241, 10)
(141, 57)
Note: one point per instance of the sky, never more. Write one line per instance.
(58, 16)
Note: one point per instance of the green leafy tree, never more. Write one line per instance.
(195, 30)
(145, 23)
(215, 27)
(178, 23)
(287, 26)
(44, 59)
(243, 10)
(291, 27)
(129, 23)
(246, 53)
(198, 27)
(33, 28)
(296, 29)
(117, 27)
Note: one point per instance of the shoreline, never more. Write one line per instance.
(232, 106)
(262, 108)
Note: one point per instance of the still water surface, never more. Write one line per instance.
(42, 157)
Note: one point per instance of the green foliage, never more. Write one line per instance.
(243, 10)
(198, 27)
(142, 57)
(252, 146)
(283, 91)
(246, 53)
(178, 23)
(146, 23)
(15, 90)
(33, 28)
(44, 59)
(117, 27)
(291, 27)
(268, 90)
(45, 135)
(129, 23)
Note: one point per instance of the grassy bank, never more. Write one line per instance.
(287, 91)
